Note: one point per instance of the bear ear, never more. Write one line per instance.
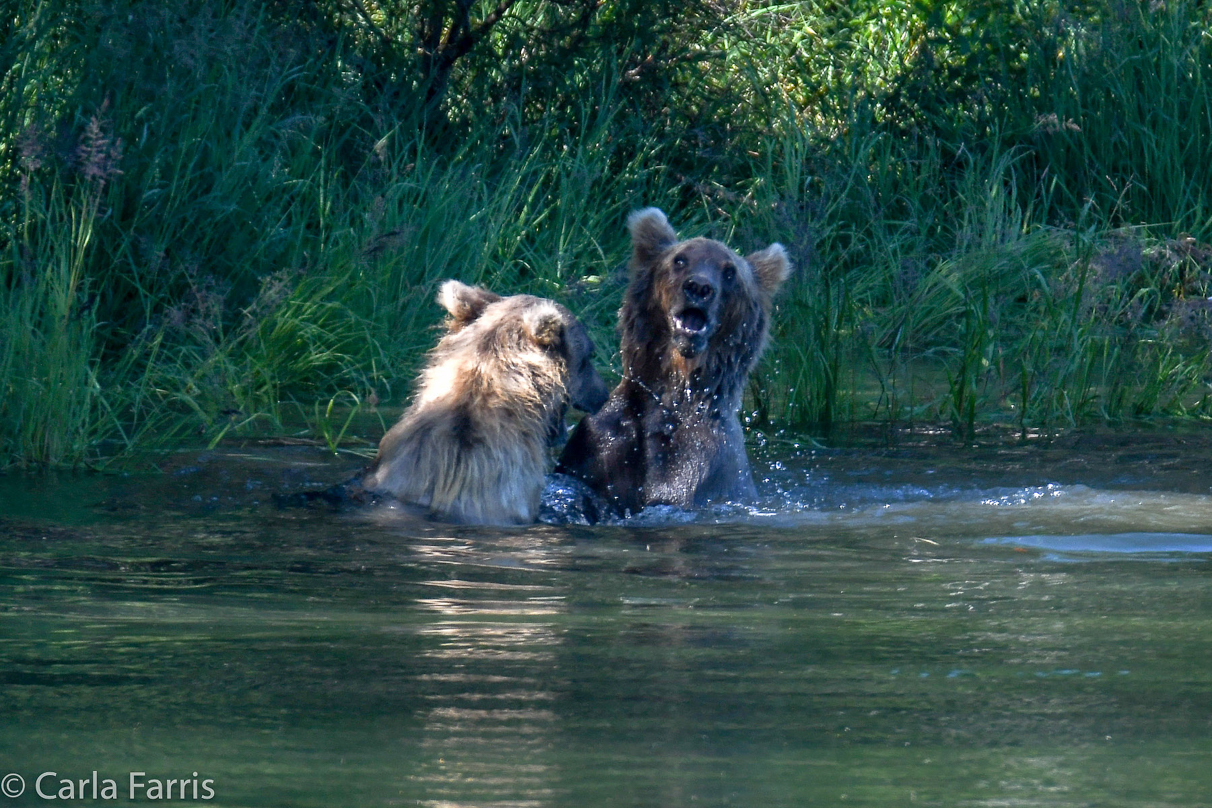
(465, 303)
(770, 267)
(651, 234)
(544, 325)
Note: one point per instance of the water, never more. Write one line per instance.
(1006, 625)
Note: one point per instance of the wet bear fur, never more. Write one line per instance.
(694, 321)
(474, 445)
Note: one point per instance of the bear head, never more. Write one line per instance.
(506, 329)
(696, 294)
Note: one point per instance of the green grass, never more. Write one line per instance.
(232, 218)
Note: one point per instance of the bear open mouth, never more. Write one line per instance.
(691, 320)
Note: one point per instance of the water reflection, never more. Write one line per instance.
(489, 720)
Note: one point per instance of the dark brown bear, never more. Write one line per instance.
(473, 446)
(694, 321)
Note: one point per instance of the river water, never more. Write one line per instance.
(900, 621)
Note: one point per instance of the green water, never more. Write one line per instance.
(905, 624)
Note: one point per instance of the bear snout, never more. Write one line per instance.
(591, 394)
(698, 289)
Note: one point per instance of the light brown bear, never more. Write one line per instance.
(694, 321)
(473, 446)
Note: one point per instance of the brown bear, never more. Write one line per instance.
(474, 444)
(694, 320)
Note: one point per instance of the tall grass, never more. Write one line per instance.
(218, 218)
(992, 316)
(1016, 234)
(51, 400)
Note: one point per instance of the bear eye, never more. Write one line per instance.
(679, 261)
(729, 272)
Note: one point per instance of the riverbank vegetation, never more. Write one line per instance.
(226, 218)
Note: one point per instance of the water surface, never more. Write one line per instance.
(898, 622)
